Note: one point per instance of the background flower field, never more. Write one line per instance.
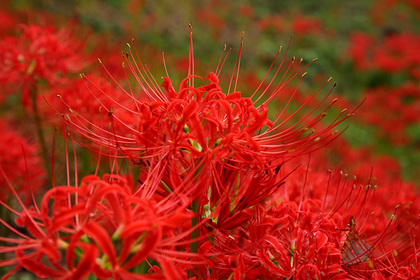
(369, 48)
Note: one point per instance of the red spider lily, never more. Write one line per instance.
(385, 238)
(311, 238)
(39, 54)
(281, 243)
(215, 146)
(20, 161)
(89, 99)
(100, 228)
(204, 120)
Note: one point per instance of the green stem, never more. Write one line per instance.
(3, 232)
(40, 132)
(195, 233)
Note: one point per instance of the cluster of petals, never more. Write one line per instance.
(384, 236)
(100, 228)
(321, 227)
(282, 242)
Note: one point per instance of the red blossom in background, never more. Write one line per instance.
(359, 50)
(397, 53)
(274, 21)
(39, 53)
(20, 162)
(305, 26)
(93, 98)
(393, 110)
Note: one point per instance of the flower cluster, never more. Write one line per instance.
(222, 188)
(28, 59)
(201, 136)
(100, 228)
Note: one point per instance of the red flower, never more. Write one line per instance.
(359, 50)
(100, 228)
(398, 53)
(302, 26)
(92, 101)
(39, 54)
(284, 242)
(205, 136)
(312, 233)
(20, 161)
(392, 110)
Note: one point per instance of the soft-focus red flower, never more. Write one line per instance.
(246, 11)
(392, 110)
(273, 21)
(210, 17)
(39, 53)
(398, 53)
(359, 50)
(302, 26)
(92, 98)
(21, 161)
